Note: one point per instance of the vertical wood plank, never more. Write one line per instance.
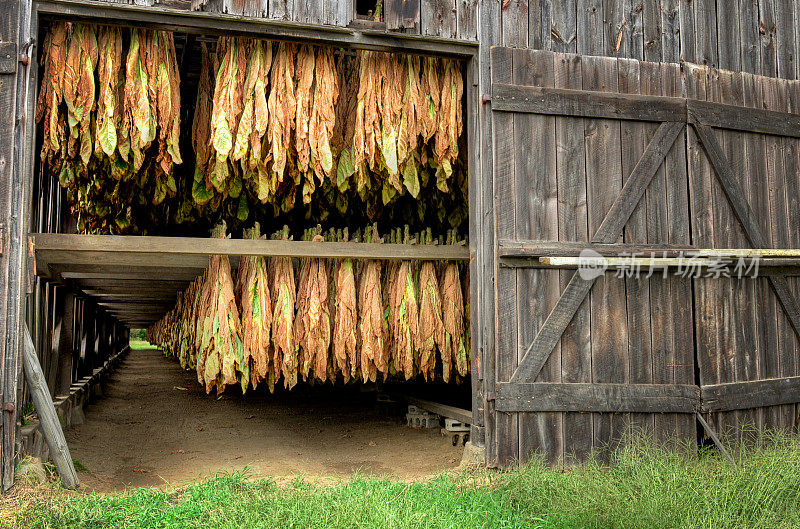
(490, 35)
(467, 17)
(767, 25)
(281, 9)
(729, 37)
(438, 18)
(757, 196)
(616, 28)
(564, 26)
(786, 35)
(687, 30)
(603, 181)
(248, 8)
(576, 346)
(634, 11)
(705, 28)
(505, 224)
(731, 294)
(515, 23)
(791, 160)
(778, 221)
(749, 36)
(678, 365)
(536, 219)
(652, 30)
(670, 30)
(590, 27)
(340, 13)
(539, 24)
(634, 138)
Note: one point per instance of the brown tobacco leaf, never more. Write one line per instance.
(252, 291)
(453, 319)
(281, 273)
(344, 330)
(432, 88)
(431, 327)
(282, 107)
(323, 114)
(304, 78)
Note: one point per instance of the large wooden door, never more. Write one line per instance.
(591, 153)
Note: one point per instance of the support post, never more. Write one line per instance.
(48, 419)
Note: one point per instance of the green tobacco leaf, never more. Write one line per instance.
(411, 178)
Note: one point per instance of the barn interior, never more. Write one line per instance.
(172, 234)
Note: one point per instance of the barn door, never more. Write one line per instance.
(745, 192)
(582, 361)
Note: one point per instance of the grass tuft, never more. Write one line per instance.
(646, 486)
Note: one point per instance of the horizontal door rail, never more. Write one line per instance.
(600, 398)
(751, 394)
(608, 105)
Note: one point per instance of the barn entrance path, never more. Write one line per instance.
(155, 426)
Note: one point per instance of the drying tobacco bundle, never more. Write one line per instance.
(404, 314)
(345, 341)
(222, 359)
(284, 296)
(431, 327)
(455, 345)
(312, 325)
(373, 327)
(252, 291)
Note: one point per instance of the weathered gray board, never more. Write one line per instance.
(567, 173)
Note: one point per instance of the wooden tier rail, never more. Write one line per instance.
(137, 278)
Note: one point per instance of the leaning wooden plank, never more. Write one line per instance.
(537, 353)
(750, 394)
(48, 419)
(598, 398)
(586, 103)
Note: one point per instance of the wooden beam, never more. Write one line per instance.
(750, 394)
(222, 24)
(187, 252)
(713, 435)
(48, 419)
(601, 398)
(548, 336)
(586, 103)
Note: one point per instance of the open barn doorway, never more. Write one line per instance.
(310, 223)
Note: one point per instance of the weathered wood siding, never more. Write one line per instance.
(452, 19)
(755, 36)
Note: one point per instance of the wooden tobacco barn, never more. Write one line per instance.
(643, 133)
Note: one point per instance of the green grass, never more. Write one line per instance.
(140, 344)
(646, 487)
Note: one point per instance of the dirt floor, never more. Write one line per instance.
(155, 426)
